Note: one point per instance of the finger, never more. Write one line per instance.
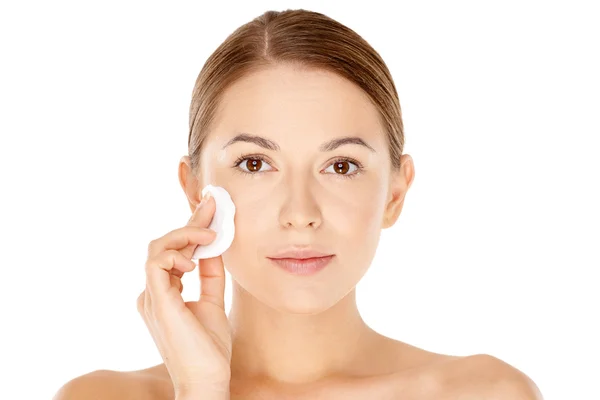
(212, 280)
(203, 213)
(158, 272)
(201, 217)
(180, 238)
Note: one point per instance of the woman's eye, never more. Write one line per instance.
(342, 167)
(252, 164)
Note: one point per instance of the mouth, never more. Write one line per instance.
(303, 266)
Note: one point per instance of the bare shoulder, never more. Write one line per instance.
(483, 374)
(114, 385)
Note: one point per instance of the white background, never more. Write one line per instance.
(496, 250)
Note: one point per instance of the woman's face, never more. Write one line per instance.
(298, 193)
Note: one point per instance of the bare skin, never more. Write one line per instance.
(303, 337)
(418, 375)
(389, 378)
(377, 370)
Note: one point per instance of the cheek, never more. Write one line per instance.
(355, 228)
(253, 222)
(354, 210)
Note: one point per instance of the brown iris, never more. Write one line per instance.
(253, 164)
(341, 166)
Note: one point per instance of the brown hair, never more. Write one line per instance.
(301, 38)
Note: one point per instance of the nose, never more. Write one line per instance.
(300, 209)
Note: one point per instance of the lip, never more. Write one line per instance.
(300, 253)
(304, 266)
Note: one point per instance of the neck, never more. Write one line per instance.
(276, 346)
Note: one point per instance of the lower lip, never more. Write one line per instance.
(306, 266)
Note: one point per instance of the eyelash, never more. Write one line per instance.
(237, 162)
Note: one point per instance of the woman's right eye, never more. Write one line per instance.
(252, 164)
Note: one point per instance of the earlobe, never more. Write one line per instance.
(393, 210)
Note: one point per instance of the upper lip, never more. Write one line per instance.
(299, 253)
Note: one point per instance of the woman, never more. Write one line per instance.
(298, 118)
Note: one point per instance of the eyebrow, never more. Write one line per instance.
(270, 145)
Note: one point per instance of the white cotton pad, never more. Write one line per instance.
(222, 224)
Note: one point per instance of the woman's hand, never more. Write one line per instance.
(194, 337)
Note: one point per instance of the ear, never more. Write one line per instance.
(189, 182)
(400, 182)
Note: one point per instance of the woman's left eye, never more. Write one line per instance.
(341, 167)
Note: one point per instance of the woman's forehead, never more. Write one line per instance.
(286, 107)
(293, 95)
